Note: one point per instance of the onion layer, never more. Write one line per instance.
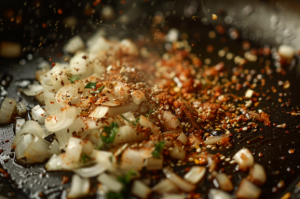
(178, 181)
(244, 158)
(80, 187)
(195, 174)
(7, 108)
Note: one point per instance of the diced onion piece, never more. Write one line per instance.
(288, 52)
(215, 139)
(33, 89)
(99, 43)
(99, 68)
(128, 47)
(37, 151)
(104, 158)
(218, 194)
(55, 163)
(138, 97)
(154, 163)
(54, 148)
(88, 147)
(38, 114)
(129, 116)
(110, 182)
(165, 186)
(195, 174)
(244, 158)
(22, 145)
(62, 119)
(249, 93)
(45, 131)
(146, 123)
(174, 196)
(131, 159)
(172, 132)
(171, 121)
(80, 66)
(182, 138)
(19, 123)
(99, 112)
(127, 134)
(74, 44)
(7, 108)
(172, 35)
(69, 93)
(89, 172)
(40, 98)
(95, 138)
(178, 153)
(140, 190)
(178, 181)
(247, 190)
(80, 187)
(73, 150)
(113, 111)
(257, 175)
(224, 182)
(21, 109)
(51, 103)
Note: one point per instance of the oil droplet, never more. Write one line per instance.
(291, 151)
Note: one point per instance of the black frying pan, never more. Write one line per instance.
(34, 182)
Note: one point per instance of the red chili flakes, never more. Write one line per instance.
(283, 158)
(44, 25)
(59, 11)
(84, 57)
(260, 154)
(65, 179)
(210, 48)
(53, 64)
(4, 173)
(291, 151)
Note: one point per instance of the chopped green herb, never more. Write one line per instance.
(84, 158)
(178, 118)
(91, 85)
(114, 195)
(126, 179)
(74, 78)
(111, 132)
(151, 111)
(157, 149)
(133, 123)
(98, 90)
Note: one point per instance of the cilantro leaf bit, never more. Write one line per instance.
(114, 195)
(110, 133)
(98, 90)
(133, 123)
(151, 111)
(84, 158)
(91, 85)
(178, 118)
(74, 78)
(157, 149)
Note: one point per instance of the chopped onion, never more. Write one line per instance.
(88, 147)
(182, 138)
(138, 97)
(69, 93)
(38, 114)
(128, 47)
(40, 98)
(88, 172)
(195, 174)
(172, 35)
(215, 139)
(7, 108)
(257, 175)
(140, 190)
(45, 131)
(99, 43)
(51, 104)
(165, 186)
(154, 163)
(74, 44)
(99, 112)
(99, 68)
(146, 123)
(95, 138)
(19, 123)
(55, 163)
(129, 116)
(223, 182)
(218, 194)
(247, 190)
(80, 187)
(113, 111)
(33, 89)
(244, 158)
(172, 132)
(178, 181)
(22, 145)
(178, 153)
(21, 109)
(37, 151)
(104, 158)
(174, 196)
(73, 150)
(171, 121)
(127, 134)
(54, 148)
(62, 119)
(131, 159)
(288, 52)
(80, 66)
(110, 182)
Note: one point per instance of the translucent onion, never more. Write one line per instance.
(171, 121)
(104, 158)
(19, 123)
(80, 66)
(69, 93)
(33, 89)
(80, 187)
(215, 139)
(223, 182)
(22, 145)
(172, 132)
(74, 44)
(174, 196)
(110, 182)
(178, 181)
(195, 174)
(99, 112)
(88, 147)
(113, 111)
(92, 171)
(51, 104)
(146, 123)
(138, 97)
(182, 138)
(21, 109)
(7, 108)
(37, 151)
(244, 158)
(61, 119)
(73, 150)
(54, 148)
(128, 47)
(140, 190)
(127, 134)
(165, 186)
(257, 175)
(178, 153)
(247, 190)
(154, 163)
(94, 137)
(131, 159)
(218, 194)
(129, 116)
(99, 43)
(38, 114)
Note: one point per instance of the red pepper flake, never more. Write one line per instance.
(261, 129)
(1, 151)
(50, 59)
(44, 25)
(283, 158)
(287, 132)
(53, 64)
(59, 11)
(291, 151)
(260, 154)
(65, 179)
(6, 141)
(4, 173)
